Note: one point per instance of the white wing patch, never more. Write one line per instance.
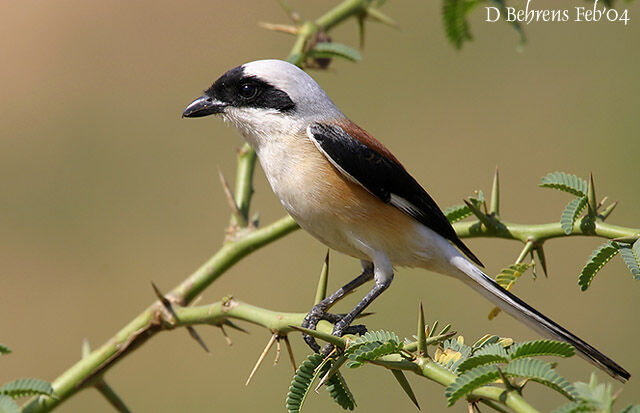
(405, 206)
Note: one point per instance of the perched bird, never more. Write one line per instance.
(346, 189)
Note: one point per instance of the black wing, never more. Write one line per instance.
(383, 177)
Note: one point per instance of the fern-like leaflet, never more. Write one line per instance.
(631, 256)
(597, 260)
(571, 212)
(565, 182)
(507, 278)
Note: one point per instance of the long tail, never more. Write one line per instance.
(537, 321)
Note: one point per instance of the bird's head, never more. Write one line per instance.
(265, 97)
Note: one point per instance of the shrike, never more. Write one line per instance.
(346, 189)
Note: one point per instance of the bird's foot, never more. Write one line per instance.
(341, 327)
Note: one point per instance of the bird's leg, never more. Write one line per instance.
(319, 311)
(383, 280)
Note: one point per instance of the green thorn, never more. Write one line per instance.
(404, 383)
(608, 210)
(321, 291)
(591, 198)
(480, 215)
(422, 339)
(495, 195)
(102, 386)
(380, 17)
(112, 397)
(542, 259)
(627, 240)
(505, 381)
(413, 346)
(336, 341)
(360, 19)
(335, 366)
(233, 325)
(528, 246)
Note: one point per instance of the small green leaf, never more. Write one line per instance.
(507, 278)
(458, 212)
(571, 212)
(480, 360)
(541, 348)
(330, 50)
(339, 391)
(27, 387)
(565, 182)
(543, 373)
(4, 349)
(510, 274)
(597, 260)
(301, 383)
(370, 351)
(454, 14)
(598, 396)
(631, 256)
(469, 381)
(7, 405)
(631, 409)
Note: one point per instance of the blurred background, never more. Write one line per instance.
(103, 187)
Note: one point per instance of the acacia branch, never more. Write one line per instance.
(155, 318)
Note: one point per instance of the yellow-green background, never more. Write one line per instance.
(104, 188)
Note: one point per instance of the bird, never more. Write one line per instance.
(350, 192)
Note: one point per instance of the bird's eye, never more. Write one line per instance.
(248, 91)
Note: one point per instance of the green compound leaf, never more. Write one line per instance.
(331, 50)
(571, 212)
(543, 373)
(301, 383)
(339, 391)
(458, 212)
(4, 349)
(565, 182)
(371, 345)
(631, 256)
(26, 387)
(371, 351)
(507, 278)
(469, 381)
(598, 396)
(597, 260)
(480, 360)
(510, 274)
(7, 405)
(541, 348)
(487, 354)
(454, 14)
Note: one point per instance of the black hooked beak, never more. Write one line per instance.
(203, 106)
